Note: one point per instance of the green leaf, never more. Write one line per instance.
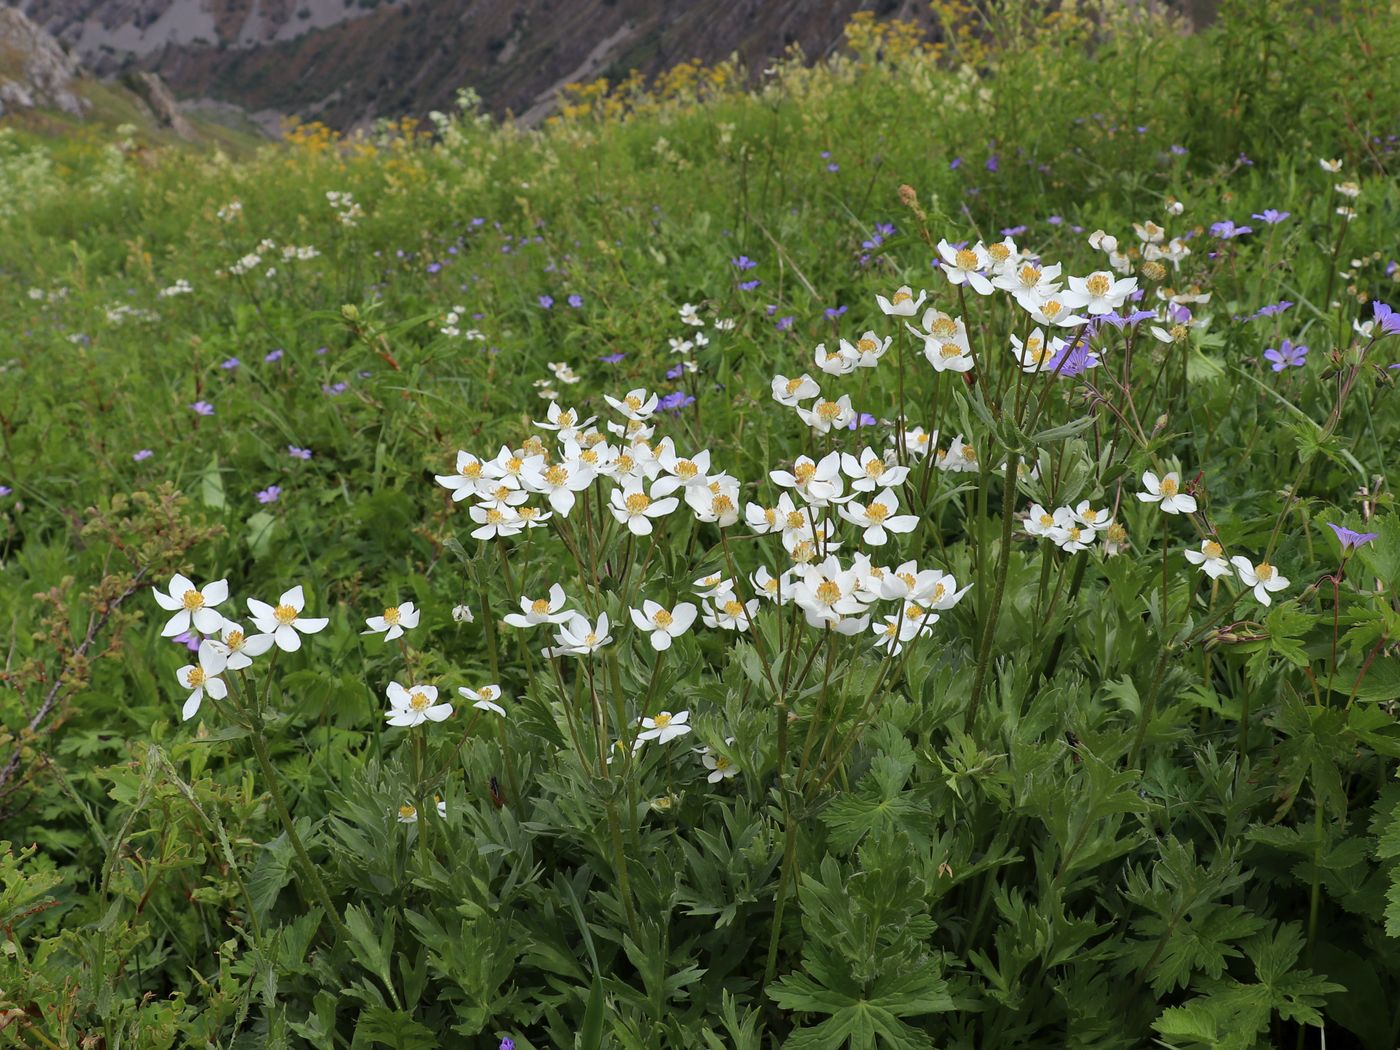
(590, 1035)
(211, 486)
(380, 1026)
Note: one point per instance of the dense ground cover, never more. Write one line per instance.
(1056, 709)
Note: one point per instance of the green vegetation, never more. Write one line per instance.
(1106, 797)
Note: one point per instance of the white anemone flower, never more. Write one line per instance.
(238, 646)
(284, 621)
(483, 699)
(717, 502)
(202, 678)
(495, 522)
(633, 507)
(965, 266)
(578, 637)
(819, 482)
(664, 727)
(562, 480)
(414, 705)
(565, 421)
(463, 483)
(878, 517)
(1210, 559)
(1098, 520)
(842, 362)
(1035, 353)
(828, 597)
(961, 458)
(534, 611)
(774, 588)
(635, 404)
(1053, 310)
(1166, 491)
(393, 621)
(902, 303)
(791, 392)
(724, 611)
(912, 621)
(869, 471)
(1098, 293)
(720, 766)
(867, 350)
(1039, 521)
(516, 470)
(1029, 281)
(663, 626)
(192, 606)
(408, 814)
(1263, 578)
(680, 470)
(944, 593)
(825, 416)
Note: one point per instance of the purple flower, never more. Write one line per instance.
(611, 359)
(1014, 231)
(547, 302)
(833, 312)
(5, 490)
(784, 323)
(955, 164)
(1227, 230)
(743, 262)
(1287, 356)
(270, 494)
(748, 286)
(1055, 220)
(322, 351)
(507, 1043)
(141, 455)
(1272, 309)
(1351, 540)
(865, 419)
(993, 164)
(1272, 216)
(275, 355)
(230, 364)
(202, 408)
(885, 229)
(190, 640)
(334, 389)
(434, 267)
(1387, 318)
(1074, 359)
(299, 453)
(675, 372)
(826, 154)
(675, 402)
(1178, 151)
(833, 166)
(576, 301)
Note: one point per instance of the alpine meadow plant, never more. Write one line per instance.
(720, 570)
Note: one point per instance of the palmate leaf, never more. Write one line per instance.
(380, 1026)
(863, 1020)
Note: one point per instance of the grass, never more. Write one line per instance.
(1105, 799)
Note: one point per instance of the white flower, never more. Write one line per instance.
(238, 647)
(965, 266)
(841, 363)
(662, 625)
(726, 612)
(191, 605)
(680, 471)
(1262, 577)
(463, 614)
(535, 611)
(285, 620)
(790, 392)
(494, 522)
(867, 350)
(1115, 539)
(911, 621)
(484, 699)
(819, 483)
(827, 595)
(902, 303)
(415, 705)
(1029, 282)
(1035, 353)
(878, 516)
(1098, 520)
(720, 767)
(1053, 310)
(690, 316)
(1098, 293)
(917, 441)
(1068, 534)
(868, 471)
(664, 727)
(1211, 559)
(1149, 232)
(635, 404)
(774, 588)
(631, 506)
(409, 815)
(1167, 492)
(578, 637)
(1100, 241)
(1039, 521)
(394, 621)
(565, 421)
(961, 458)
(716, 502)
(515, 470)
(825, 415)
(464, 482)
(944, 592)
(560, 481)
(1333, 166)
(203, 678)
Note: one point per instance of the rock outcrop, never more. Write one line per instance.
(152, 90)
(35, 70)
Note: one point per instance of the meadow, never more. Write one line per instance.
(901, 555)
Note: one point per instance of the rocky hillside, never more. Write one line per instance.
(349, 61)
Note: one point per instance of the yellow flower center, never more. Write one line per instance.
(539, 606)
(796, 519)
(1047, 520)
(234, 641)
(192, 600)
(944, 327)
(900, 296)
(1030, 275)
(662, 619)
(938, 591)
(999, 252)
(770, 515)
(804, 552)
(804, 471)
(722, 505)
(877, 512)
(589, 456)
(828, 592)
(471, 470)
(625, 463)
(662, 720)
(494, 517)
(722, 763)
(284, 614)
(487, 692)
(514, 464)
(392, 615)
(1092, 516)
(1099, 284)
(1169, 486)
(638, 502)
(792, 385)
(419, 701)
(534, 445)
(969, 452)
(867, 345)
(1074, 533)
(907, 578)
(1118, 534)
(1052, 308)
(686, 470)
(1265, 571)
(874, 467)
(947, 350)
(407, 813)
(1211, 549)
(828, 410)
(966, 259)
(733, 607)
(528, 513)
(566, 419)
(195, 678)
(556, 475)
